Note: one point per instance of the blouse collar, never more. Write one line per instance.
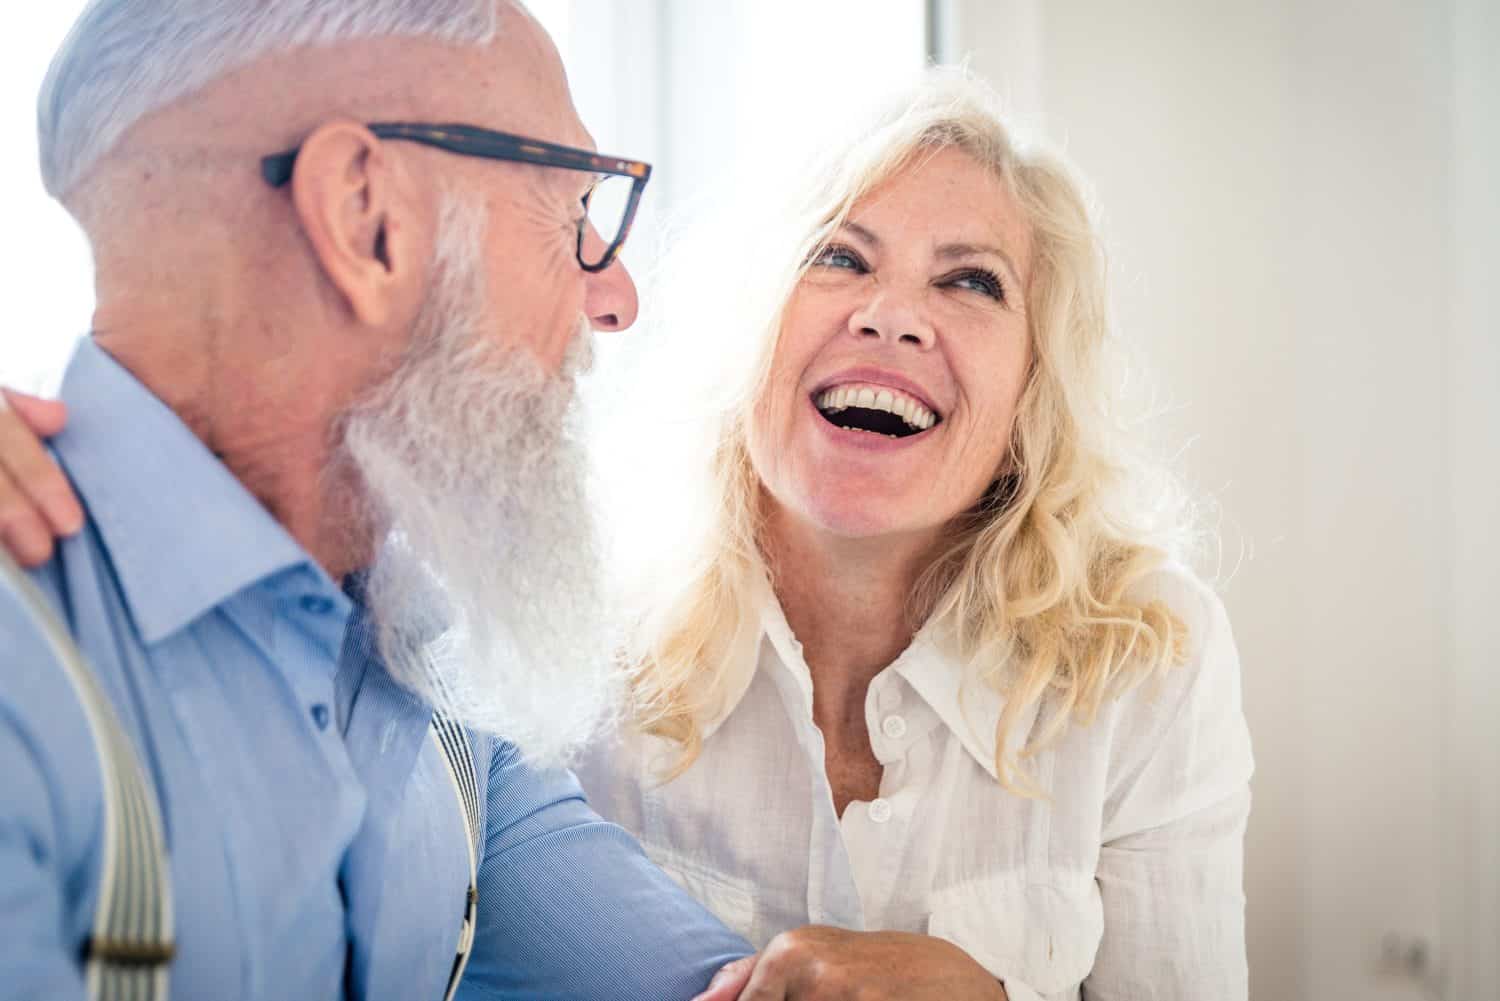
(966, 705)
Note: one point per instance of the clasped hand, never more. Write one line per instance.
(816, 963)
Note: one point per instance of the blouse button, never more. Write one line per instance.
(880, 810)
(894, 727)
(315, 604)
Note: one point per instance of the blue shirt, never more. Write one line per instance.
(317, 846)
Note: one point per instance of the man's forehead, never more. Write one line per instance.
(524, 86)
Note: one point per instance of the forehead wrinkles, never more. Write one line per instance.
(532, 89)
(949, 186)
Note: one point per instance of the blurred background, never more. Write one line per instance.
(1300, 199)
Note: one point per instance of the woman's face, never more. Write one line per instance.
(903, 353)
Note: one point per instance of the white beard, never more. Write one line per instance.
(485, 594)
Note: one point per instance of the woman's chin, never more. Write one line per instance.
(855, 519)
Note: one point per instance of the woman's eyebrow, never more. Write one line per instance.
(946, 251)
(953, 250)
(864, 234)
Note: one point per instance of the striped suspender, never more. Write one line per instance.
(454, 744)
(130, 950)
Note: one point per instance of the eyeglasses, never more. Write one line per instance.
(609, 204)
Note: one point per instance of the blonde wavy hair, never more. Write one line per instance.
(1038, 588)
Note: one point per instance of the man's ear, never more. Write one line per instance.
(356, 209)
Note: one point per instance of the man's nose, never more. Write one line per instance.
(610, 298)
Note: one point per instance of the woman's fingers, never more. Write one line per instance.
(729, 981)
(37, 503)
(768, 983)
(23, 531)
(45, 417)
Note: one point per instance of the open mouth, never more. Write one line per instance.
(875, 410)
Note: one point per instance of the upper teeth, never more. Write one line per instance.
(892, 401)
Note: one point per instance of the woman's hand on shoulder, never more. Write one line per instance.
(37, 505)
(816, 963)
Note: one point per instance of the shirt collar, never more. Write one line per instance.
(787, 648)
(767, 626)
(182, 533)
(966, 705)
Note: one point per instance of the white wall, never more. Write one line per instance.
(49, 292)
(1291, 197)
(1473, 764)
(741, 80)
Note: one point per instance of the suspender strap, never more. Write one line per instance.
(454, 744)
(129, 952)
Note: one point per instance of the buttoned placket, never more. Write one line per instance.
(307, 633)
(317, 620)
(833, 896)
(876, 832)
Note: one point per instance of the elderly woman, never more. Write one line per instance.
(925, 706)
(916, 664)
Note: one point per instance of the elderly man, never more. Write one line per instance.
(322, 437)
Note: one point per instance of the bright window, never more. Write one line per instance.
(693, 87)
(49, 284)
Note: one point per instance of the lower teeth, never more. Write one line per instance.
(868, 431)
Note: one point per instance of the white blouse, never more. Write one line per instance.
(1125, 884)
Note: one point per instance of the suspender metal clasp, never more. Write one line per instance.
(127, 953)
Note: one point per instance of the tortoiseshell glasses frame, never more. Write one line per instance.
(469, 140)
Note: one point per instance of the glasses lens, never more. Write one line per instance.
(608, 205)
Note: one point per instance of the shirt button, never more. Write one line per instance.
(880, 810)
(315, 604)
(894, 727)
(320, 716)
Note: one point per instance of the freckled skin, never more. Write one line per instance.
(848, 528)
(906, 314)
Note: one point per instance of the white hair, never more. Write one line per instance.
(1042, 587)
(485, 594)
(125, 59)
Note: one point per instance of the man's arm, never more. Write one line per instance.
(571, 908)
(49, 799)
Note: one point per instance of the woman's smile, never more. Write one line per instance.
(874, 410)
(868, 428)
(902, 356)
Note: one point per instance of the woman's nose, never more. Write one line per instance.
(894, 316)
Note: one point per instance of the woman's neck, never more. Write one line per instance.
(849, 603)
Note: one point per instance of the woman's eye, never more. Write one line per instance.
(984, 282)
(839, 257)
